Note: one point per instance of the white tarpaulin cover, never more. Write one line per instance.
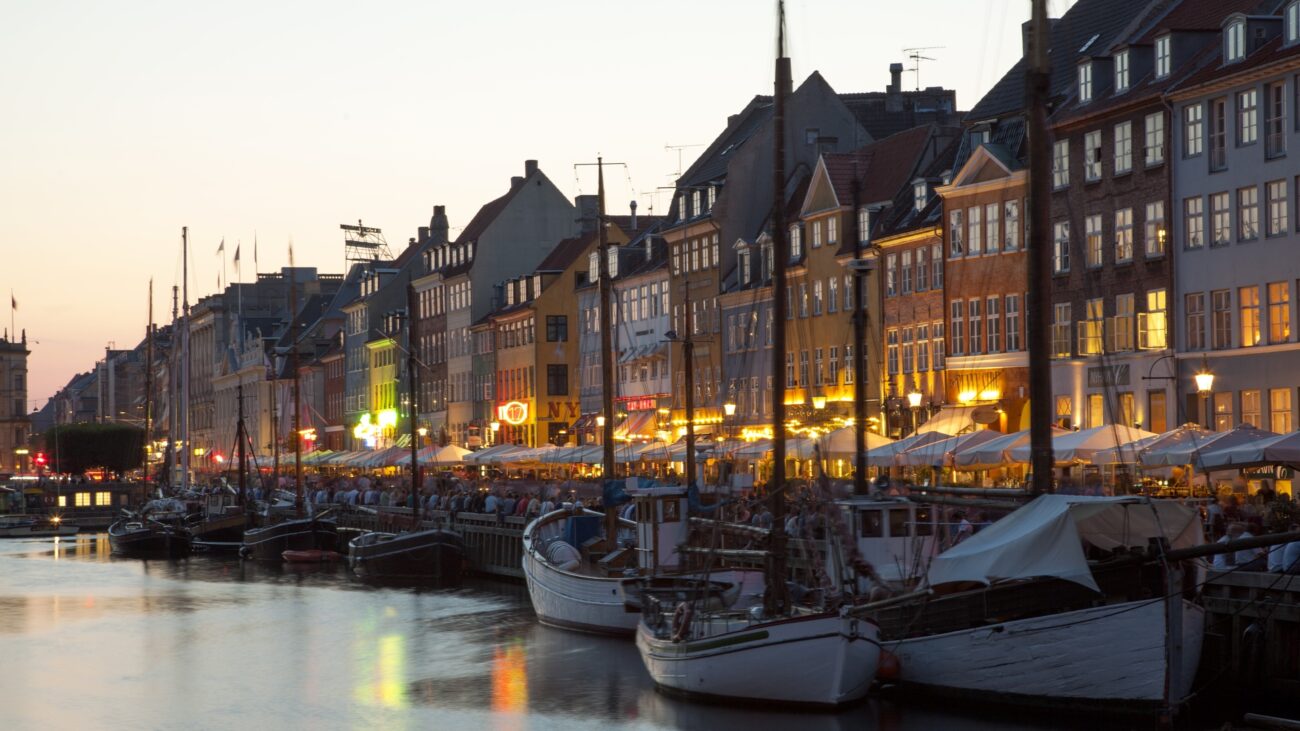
(993, 453)
(1185, 451)
(1139, 451)
(1046, 538)
(938, 453)
(843, 442)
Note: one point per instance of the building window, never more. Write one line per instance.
(557, 379)
(1062, 324)
(1092, 328)
(993, 324)
(1223, 418)
(1194, 222)
(1121, 72)
(803, 368)
(1279, 312)
(1275, 122)
(833, 377)
(832, 233)
(82, 500)
(1065, 411)
(920, 195)
(1124, 234)
(1162, 57)
(958, 309)
(975, 230)
(1235, 42)
(1218, 134)
(796, 242)
(992, 213)
(1123, 147)
(907, 349)
(922, 270)
(956, 231)
(819, 367)
(1092, 241)
(1221, 302)
(1011, 225)
(832, 294)
(1247, 117)
(1248, 213)
(1061, 247)
(864, 225)
(1013, 323)
(1096, 410)
(1193, 130)
(817, 297)
(1085, 82)
(103, 499)
(1221, 219)
(803, 299)
(1120, 336)
(1279, 405)
(816, 227)
(1248, 304)
(1092, 156)
(1061, 163)
(1157, 418)
(922, 347)
(1154, 229)
(1278, 202)
(1250, 411)
(1153, 149)
(906, 257)
(975, 322)
(1292, 24)
(848, 292)
(557, 328)
(937, 342)
(936, 267)
(1153, 327)
(891, 275)
(848, 365)
(789, 371)
(1195, 307)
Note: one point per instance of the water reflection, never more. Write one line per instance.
(134, 644)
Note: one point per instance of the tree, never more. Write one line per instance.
(76, 448)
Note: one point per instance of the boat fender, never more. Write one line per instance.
(563, 556)
(681, 621)
(245, 552)
(890, 668)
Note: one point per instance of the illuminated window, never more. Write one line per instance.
(82, 500)
(103, 499)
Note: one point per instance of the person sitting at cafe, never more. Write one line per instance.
(1248, 559)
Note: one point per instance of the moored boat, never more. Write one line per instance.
(35, 526)
(435, 557)
(270, 542)
(147, 538)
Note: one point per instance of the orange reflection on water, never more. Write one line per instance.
(384, 674)
(510, 679)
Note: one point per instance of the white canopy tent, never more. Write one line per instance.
(885, 456)
(1046, 538)
(1071, 447)
(992, 453)
(1139, 450)
(843, 442)
(1283, 449)
(938, 453)
(1194, 443)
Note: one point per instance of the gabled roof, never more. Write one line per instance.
(488, 213)
(880, 167)
(1201, 16)
(1215, 70)
(903, 216)
(1094, 24)
(565, 252)
(712, 163)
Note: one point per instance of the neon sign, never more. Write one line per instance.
(513, 413)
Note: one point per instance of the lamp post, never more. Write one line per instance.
(914, 401)
(1204, 385)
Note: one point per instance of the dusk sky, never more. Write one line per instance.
(125, 121)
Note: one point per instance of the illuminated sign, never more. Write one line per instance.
(642, 403)
(308, 435)
(513, 413)
(388, 417)
(365, 430)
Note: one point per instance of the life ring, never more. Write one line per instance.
(681, 621)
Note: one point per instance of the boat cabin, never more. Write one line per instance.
(896, 536)
(661, 526)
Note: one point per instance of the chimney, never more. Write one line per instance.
(530, 167)
(632, 225)
(588, 212)
(438, 226)
(423, 234)
(895, 78)
(515, 182)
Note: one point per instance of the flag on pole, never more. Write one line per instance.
(291, 252)
(13, 301)
(222, 248)
(255, 252)
(236, 254)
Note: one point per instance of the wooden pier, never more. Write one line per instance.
(495, 546)
(1253, 628)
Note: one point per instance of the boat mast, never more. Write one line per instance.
(185, 358)
(688, 357)
(173, 391)
(606, 348)
(1039, 304)
(297, 404)
(412, 385)
(774, 600)
(148, 383)
(241, 440)
(859, 348)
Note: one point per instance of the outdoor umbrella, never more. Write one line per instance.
(1283, 449)
(1138, 451)
(1211, 454)
(885, 455)
(938, 453)
(1185, 451)
(843, 442)
(993, 453)
(1079, 446)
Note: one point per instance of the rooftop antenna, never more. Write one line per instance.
(363, 243)
(678, 149)
(915, 54)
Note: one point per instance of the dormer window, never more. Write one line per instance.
(744, 265)
(713, 196)
(1234, 41)
(920, 194)
(695, 202)
(1293, 23)
(1163, 54)
(1121, 72)
(613, 266)
(1085, 82)
(593, 265)
(864, 225)
(796, 242)
(686, 207)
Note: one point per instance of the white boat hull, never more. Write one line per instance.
(820, 660)
(575, 601)
(1101, 655)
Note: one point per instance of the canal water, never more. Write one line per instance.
(90, 641)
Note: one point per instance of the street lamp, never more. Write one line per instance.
(1204, 385)
(819, 402)
(914, 401)
(729, 408)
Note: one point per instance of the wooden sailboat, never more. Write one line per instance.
(815, 655)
